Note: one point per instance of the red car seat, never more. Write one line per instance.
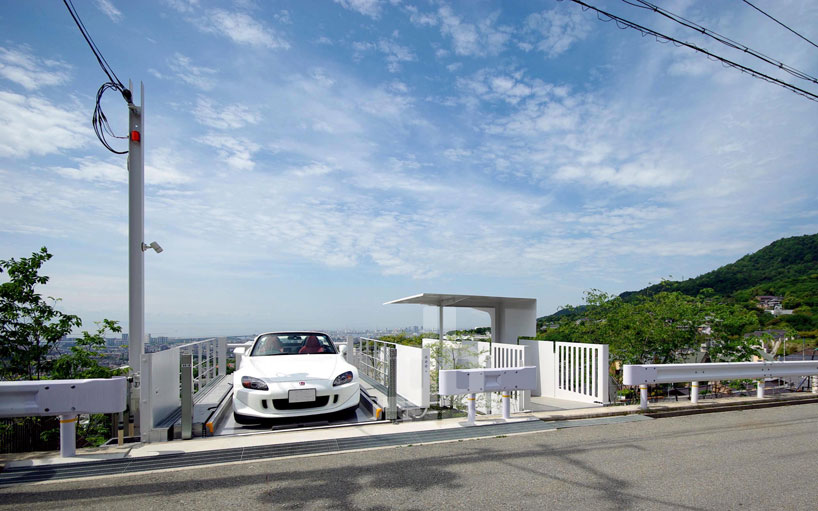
(313, 345)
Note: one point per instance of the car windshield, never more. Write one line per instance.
(292, 344)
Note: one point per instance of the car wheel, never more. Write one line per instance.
(245, 419)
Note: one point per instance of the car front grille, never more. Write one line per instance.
(283, 404)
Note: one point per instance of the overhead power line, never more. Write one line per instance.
(783, 25)
(723, 39)
(624, 24)
(101, 126)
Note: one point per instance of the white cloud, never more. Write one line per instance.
(235, 152)
(395, 53)
(184, 5)
(23, 68)
(241, 29)
(109, 10)
(228, 117)
(31, 125)
(162, 168)
(553, 32)
(198, 76)
(371, 8)
(482, 38)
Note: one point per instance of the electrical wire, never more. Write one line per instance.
(624, 24)
(723, 39)
(783, 25)
(99, 121)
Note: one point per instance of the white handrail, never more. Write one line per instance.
(645, 374)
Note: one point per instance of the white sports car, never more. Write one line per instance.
(292, 374)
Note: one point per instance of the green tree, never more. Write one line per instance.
(83, 360)
(660, 328)
(29, 325)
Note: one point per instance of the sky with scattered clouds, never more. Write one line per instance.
(308, 161)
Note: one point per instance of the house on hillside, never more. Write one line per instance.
(769, 302)
(770, 340)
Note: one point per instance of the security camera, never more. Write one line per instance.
(154, 245)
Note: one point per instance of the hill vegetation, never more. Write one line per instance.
(787, 268)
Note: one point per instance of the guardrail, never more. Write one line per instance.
(66, 398)
(472, 381)
(646, 374)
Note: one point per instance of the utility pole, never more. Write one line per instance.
(136, 253)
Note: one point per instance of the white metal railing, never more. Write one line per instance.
(160, 381)
(646, 374)
(506, 356)
(581, 372)
(412, 369)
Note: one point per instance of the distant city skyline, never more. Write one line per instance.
(307, 162)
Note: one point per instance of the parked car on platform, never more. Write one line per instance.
(292, 374)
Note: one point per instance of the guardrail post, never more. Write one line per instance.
(392, 388)
(186, 374)
(694, 392)
(471, 408)
(814, 384)
(760, 391)
(68, 435)
(643, 397)
(505, 395)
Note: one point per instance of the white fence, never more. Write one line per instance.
(568, 370)
(161, 380)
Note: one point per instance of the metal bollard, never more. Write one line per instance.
(694, 392)
(68, 435)
(471, 408)
(643, 396)
(760, 391)
(506, 405)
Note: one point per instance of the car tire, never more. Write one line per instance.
(245, 419)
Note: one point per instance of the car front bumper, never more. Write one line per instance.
(274, 403)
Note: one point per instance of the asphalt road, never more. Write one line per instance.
(754, 459)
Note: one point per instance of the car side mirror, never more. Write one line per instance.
(342, 349)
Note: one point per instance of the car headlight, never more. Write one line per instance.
(342, 379)
(248, 382)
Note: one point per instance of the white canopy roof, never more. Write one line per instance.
(510, 317)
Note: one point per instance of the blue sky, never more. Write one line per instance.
(307, 161)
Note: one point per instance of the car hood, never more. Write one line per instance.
(294, 367)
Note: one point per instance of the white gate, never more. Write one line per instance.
(581, 372)
(570, 370)
(510, 355)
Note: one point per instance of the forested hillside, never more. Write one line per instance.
(787, 268)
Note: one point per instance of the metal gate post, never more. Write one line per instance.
(186, 373)
(392, 388)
